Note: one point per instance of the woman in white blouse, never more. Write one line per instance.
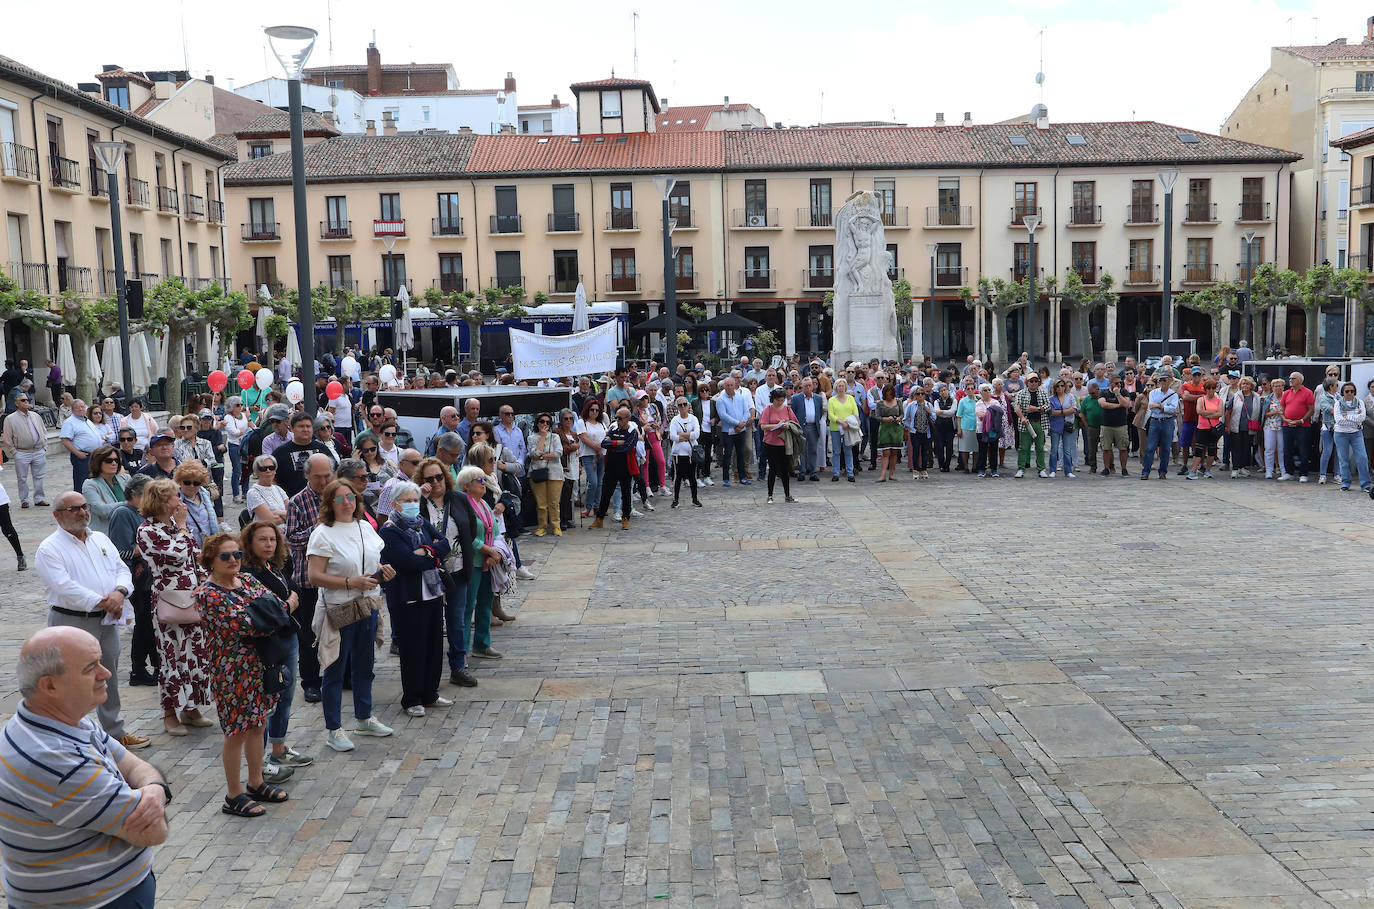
(236, 426)
(683, 431)
(143, 425)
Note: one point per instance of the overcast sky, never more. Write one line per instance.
(1185, 62)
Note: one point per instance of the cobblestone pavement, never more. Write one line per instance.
(949, 693)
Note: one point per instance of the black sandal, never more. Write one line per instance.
(242, 805)
(268, 793)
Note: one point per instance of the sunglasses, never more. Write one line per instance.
(82, 507)
(403, 460)
(389, 435)
(433, 478)
(345, 498)
(235, 556)
(267, 469)
(189, 483)
(369, 450)
(109, 460)
(128, 438)
(542, 422)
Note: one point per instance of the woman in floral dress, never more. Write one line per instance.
(172, 553)
(237, 673)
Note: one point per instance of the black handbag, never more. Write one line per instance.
(539, 475)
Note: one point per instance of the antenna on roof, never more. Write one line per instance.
(329, 18)
(1290, 30)
(1315, 38)
(1040, 76)
(634, 26)
(185, 50)
(821, 118)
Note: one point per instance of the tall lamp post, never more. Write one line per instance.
(389, 241)
(110, 154)
(292, 45)
(916, 320)
(1249, 245)
(665, 186)
(1168, 176)
(1031, 223)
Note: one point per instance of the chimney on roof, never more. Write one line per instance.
(968, 119)
(727, 100)
(1369, 29)
(110, 67)
(388, 123)
(510, 83)
(663, 102)
(506, 129)
(209, 78)
(374, 69)
(777, 124)
(371, 128)
(939, 118)
(465, 129)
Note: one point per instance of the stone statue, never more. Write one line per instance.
(865, 315)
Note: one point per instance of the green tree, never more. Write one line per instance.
(765, 344)
(227, 314)
(176, 309)
(82, 320)
(1273, 288)
(1321, 284)
(998, 297)
(1085, 298)
(1214, 302)
(494, 303)
(342, 307)
(901, 296)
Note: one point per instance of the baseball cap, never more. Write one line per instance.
(160, 437)
(206, 415)
(1196, 369)
(1233, 374)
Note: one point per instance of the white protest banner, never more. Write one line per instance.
(551, 356)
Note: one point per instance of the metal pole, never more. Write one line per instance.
(669, 296)
(1245, 335)
(121, 295)
(305, 316)
(1030, 303)
(1166, 308)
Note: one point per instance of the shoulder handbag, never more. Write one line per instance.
(341, 615)
(540, 473)
(177, 607)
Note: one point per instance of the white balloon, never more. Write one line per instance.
(295, 392)
(264, 378)
(387, 373)
(348, 365)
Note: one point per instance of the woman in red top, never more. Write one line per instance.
(771, 422)
(1209, 408)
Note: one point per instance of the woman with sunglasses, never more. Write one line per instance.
(236, 676)
(236, 428)
(451, 517)
(130, 455)
(591, 429)
(546, 453)
(102, 425)
(1348, 432)
(191, 478)
(379, 469)
(344, 559)
(189, 444)
(388, 448)
(104, 488)
(572, 466)
(683, 432)
(173, 553)
(266, 499)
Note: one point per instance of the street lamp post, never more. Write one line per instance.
(110, 154)
(665, 186)
(1032, 223)
(292, 45)
(389, 242)
(1249, 245)
(1168, 176)
(916, 320)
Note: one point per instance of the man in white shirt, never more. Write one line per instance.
(85, 581)
(24, 440)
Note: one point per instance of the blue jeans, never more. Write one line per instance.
(1062, 450)
(141, 897)
(479, 610)
(1351, 445)
(355, 646)
(758, 450)
(1325, 463)
(1297, 450)
(592, 468)
(1160, 437)
(732, 444)
(840, 453)
(456, 625)
(280, 718)
(235, 478)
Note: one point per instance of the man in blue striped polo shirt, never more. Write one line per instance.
(80, 813)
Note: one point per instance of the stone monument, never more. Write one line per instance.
(865, 315)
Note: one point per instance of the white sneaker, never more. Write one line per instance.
(1268, 475)
(709, 482)
(1051, 475)
(1286, 476)
(524, 573)
(1045, 476)
(442, 701)
(1303, 479)
(339, 740)
(372, 726)
(1020, 474)
(417, 710)
(1071, 475)
(1321, 480)
(1235, 474)
(636, 513)
(649, 505)
(649, 493)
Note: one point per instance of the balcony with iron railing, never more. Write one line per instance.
(29, 275)
(1142, 214)
(683, 218)
(751, 279)
(1200, 213)
(1200, 274)
(1022, 269)
(1242, 272)
(384, 288)
(1019, 213)
(450, 283)
(505, 224)
(814, 219)
(563, 286)
(501, 282)
(214, 212)
(819, 278)
(450, 226)
(1361, 262)
(1257, 212)
(1137, 276)
(623, 284)
(1088, 274)
(949, 278)
(1360, 196)
(146, 278)
(106, 282)
(754, 219)
(685, 282)
(74, 279)
(261, 231)
(389, 227)
(336, 230)
(194, 206)
(564, 222)
(167, 202)
(949, 217)
(896, 218)
(622, 219)
(275, 288)
(64, 173)
(1085, 216)
(100, 182)
(138, 192)
(18, 162)
(343, 285)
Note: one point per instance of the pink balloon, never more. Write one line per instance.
(333, 390)
(246, 379)
(217, 380)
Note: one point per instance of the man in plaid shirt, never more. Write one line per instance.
(1033, 416)
(302, 515)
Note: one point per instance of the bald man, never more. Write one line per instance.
(85, 580)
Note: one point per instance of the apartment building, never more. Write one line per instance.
(754, 215)
(56, 231)
(1310, 96)
(1359, 327)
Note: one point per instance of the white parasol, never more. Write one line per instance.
(65, 361)
(112, 361)
(264, 310)
(580, 320)
(405, 330)
(140, 364)
(293, 347)
(97, 373)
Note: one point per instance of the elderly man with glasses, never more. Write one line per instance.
(24, 440)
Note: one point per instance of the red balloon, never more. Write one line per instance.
(217, 380)
(333, 390)
(246, 379)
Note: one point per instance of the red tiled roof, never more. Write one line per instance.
(693, 117)
(278, 123)
(225, 142)
(1355, 140)
(344, 159)
(1321, 52)
(123, 74)
(618, 153)
(146, 107)
(617, 82)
